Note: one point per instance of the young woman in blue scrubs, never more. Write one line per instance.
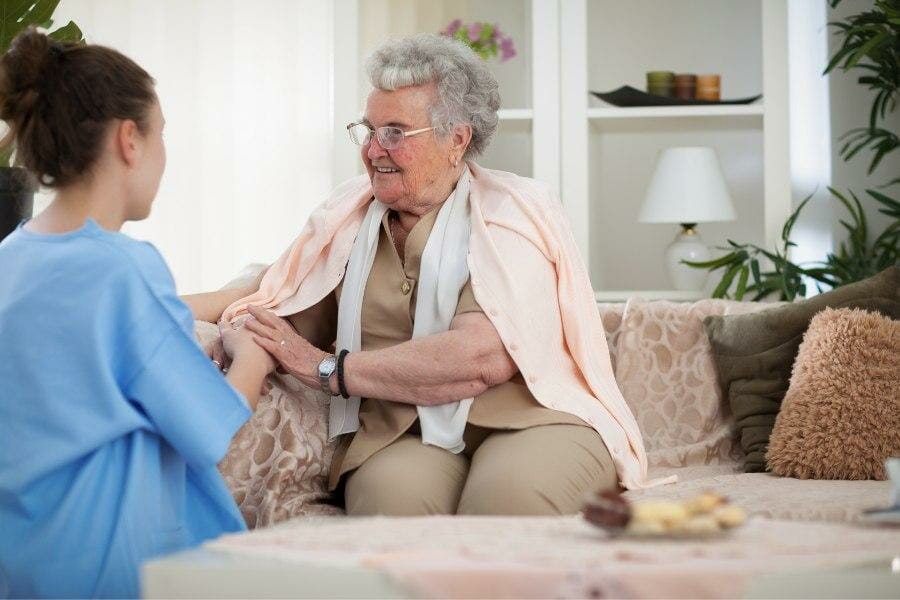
(112, 418)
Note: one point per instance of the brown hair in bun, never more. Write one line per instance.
(59, 98)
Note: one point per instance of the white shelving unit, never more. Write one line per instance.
(515, 114)
(552, 127)
(663, 112)
(755, 135)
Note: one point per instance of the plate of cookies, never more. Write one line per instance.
(708, 515)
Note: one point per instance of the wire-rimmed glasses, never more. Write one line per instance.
(388, 137)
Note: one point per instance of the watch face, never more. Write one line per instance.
(326, 367)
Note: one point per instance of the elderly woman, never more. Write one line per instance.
(471, 373)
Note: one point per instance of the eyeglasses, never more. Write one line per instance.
(389, 138)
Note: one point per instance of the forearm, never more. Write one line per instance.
(209, 306)
(435, 369)
(444, 367)
(246, 376)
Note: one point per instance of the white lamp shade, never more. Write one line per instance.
(687, 187)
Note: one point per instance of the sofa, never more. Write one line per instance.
(278, 463)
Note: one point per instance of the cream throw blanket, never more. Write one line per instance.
(442, 275)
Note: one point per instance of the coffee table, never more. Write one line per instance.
(526, 557)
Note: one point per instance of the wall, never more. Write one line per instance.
(245, 89)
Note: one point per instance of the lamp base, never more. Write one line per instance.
(687, 246)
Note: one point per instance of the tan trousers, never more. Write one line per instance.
(543, 470)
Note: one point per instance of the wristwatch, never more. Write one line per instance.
(326, 369)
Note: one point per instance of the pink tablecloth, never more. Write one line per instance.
(565, 557)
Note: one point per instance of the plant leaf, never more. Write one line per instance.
(865, 49)
(754, 267)
(712, 265)
(70, 32)
(742, 283)
(723, 286)
(18, 15)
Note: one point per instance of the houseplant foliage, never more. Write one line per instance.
(745, 266)
(870, 44)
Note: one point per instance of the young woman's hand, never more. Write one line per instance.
(216, 353)
(238, 344)
(215, 350)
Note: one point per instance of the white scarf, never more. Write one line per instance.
(442, 275)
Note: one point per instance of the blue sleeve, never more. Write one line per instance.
(188, 401)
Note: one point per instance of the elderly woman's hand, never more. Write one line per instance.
(295, 355)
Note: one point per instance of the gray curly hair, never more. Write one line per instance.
(466, 89)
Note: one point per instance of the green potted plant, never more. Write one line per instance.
(745, 274)
(17, 186)
(870, 44)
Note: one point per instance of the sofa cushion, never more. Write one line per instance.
(754, 353)
(612, 313)
(665, 370)
(277, 464)
(840, 418)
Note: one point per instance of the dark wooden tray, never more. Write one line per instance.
(629, 96)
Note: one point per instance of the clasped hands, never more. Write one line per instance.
(263, 336)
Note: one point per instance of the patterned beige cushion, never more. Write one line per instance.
(666, 372)
(278, 462)
(611, 314)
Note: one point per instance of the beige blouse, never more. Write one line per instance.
(388, 310)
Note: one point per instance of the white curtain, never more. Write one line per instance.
(245, 87)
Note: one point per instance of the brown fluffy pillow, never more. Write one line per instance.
(841, 415)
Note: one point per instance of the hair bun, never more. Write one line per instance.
(23, 68)
(58, 100)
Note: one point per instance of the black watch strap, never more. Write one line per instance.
(340, 373)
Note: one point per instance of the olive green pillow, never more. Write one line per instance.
(754, 353)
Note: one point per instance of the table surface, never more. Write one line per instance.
(528, 557)
(205, 573)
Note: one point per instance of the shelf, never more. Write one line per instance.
(672, 295)
(515, 114)
(655, 112)
(504, 114)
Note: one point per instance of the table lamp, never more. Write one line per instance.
(687, 187)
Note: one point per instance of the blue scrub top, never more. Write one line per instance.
(112, 419)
